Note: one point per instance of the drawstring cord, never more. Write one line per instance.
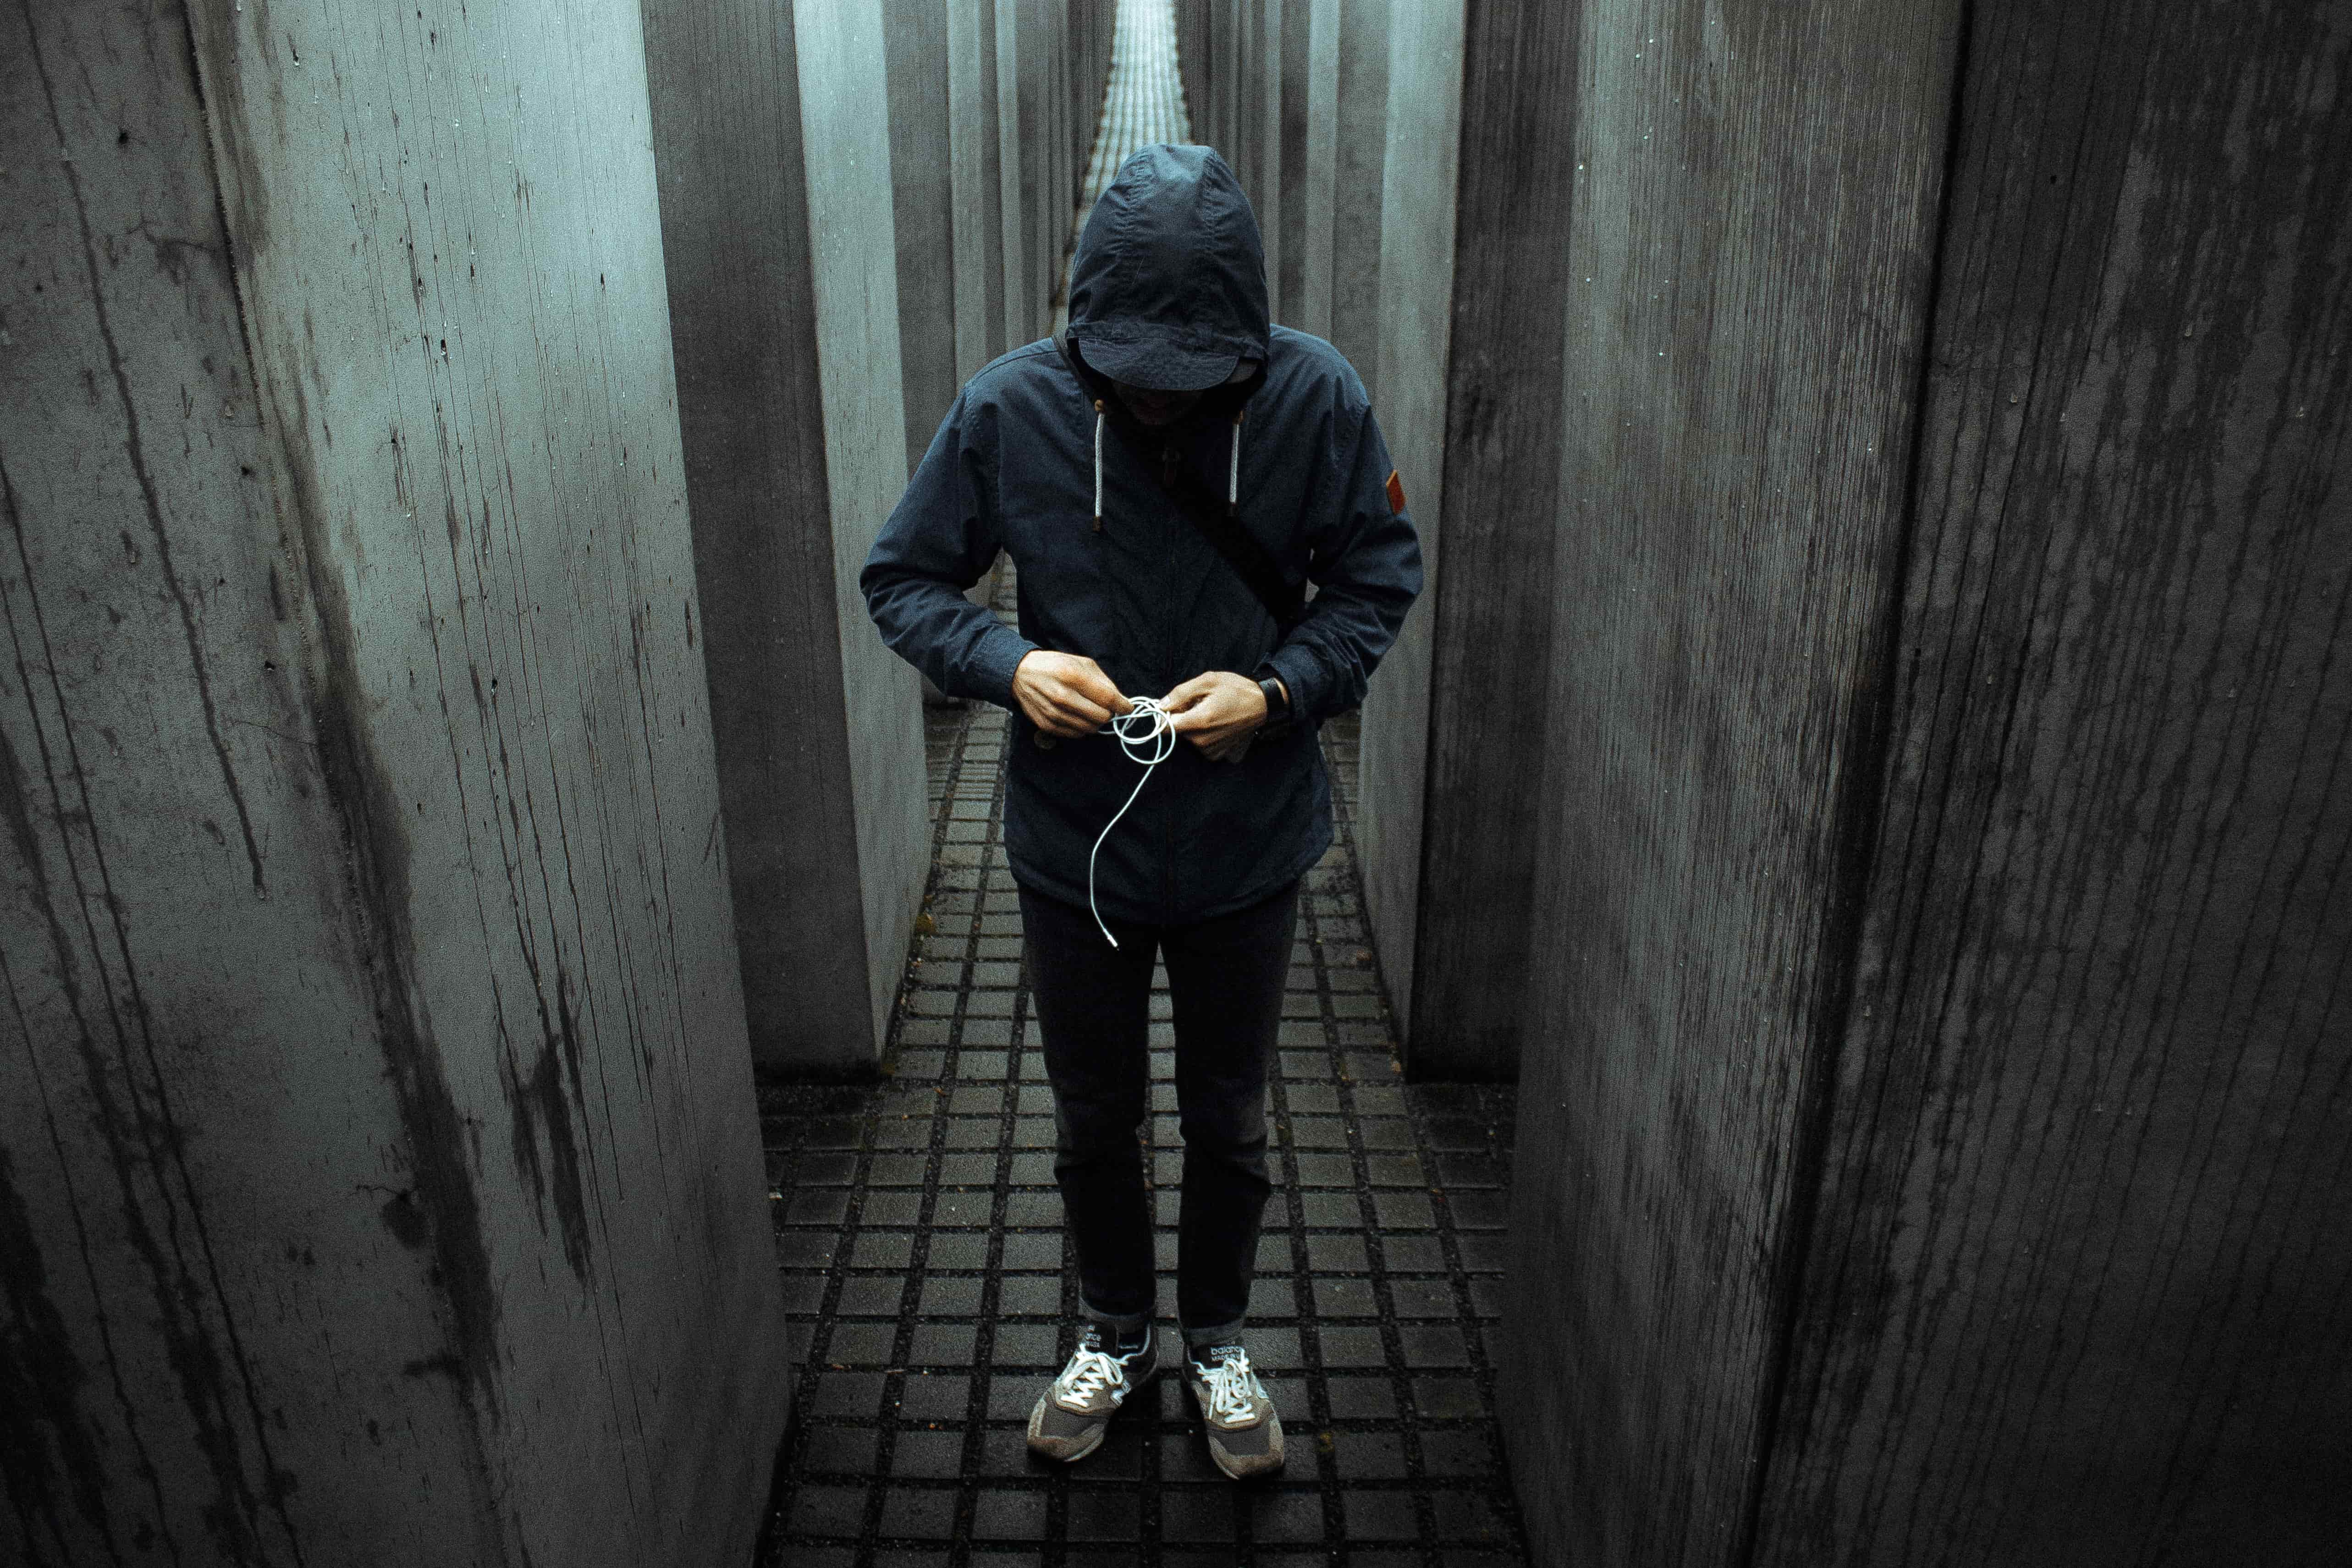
(1233, 468)
(1147, 733)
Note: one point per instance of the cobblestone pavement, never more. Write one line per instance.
(920, 1239)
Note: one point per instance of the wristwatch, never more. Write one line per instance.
(1277, 706)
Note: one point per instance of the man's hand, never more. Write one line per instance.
(1218, 712)
(1065, 694)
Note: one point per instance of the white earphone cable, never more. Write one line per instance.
(1147, 733)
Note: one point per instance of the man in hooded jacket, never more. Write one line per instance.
(1167, 476)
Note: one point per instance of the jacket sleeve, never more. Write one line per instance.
(1365, 561)
(941, 538)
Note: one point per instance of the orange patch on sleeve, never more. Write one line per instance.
(1396, 493)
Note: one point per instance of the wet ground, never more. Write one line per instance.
(920, 1239)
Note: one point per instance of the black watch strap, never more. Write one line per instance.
(1277, 703)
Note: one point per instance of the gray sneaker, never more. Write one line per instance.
(1245, 1434)
(1075, 1411)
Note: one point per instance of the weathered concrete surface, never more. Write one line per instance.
(853, 279)
(1320, 168)
(1504, 404)
(915, 35)
(2076, 1288)
(1419, 170)
(1931, 1142)
(1755, 216)
(975, 192)
(786, 694)
(1359, 156)
(378, 1174)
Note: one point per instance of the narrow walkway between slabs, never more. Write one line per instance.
(924, 1265)
(921, 1243)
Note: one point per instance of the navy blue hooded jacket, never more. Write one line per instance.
(1169, 264)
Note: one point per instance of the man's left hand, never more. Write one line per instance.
(1218, 712)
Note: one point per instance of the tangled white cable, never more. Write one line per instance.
(1147, 733)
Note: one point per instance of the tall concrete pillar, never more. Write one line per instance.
(1320, 168)
(1360, 162)
(922, 165)
(379, 1177)
(1012, 155)
(1286, 267)
(1264, 140)
(1419, 166)
(1932, 1110)
(1504, 402)
(795, 437)
(1347, 138)
(971, 153)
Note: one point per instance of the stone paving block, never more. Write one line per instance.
(967, 1168)
(891, 1209)
(1447, 1398)
(1367, 1455)
(1005, 1451)
(855, 1396)
(883, 1249)
(943, 1345)
(1104, 1513)
(1034, 1250)
(1381, 1516)
(1028, 1346)
(1404, 1211)
(999, 1515)
(1192, 1513)
(969, 1250)
(817, 1207)
(1338, 1255)
(1433, 1345)
(928, 1455)
(1364, 1398)
(829, 1510)
(1029, 1294)
(1351, 1347)
(861, 1345)
(896, 1169)
(934, 1397)
(1414, 1254)
(928, 1513)
(1287, 1515)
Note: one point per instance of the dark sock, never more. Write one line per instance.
(1121, 1343)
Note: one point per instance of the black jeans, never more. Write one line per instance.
(1093, 1000)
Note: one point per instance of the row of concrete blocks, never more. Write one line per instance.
(1858, 760)
(417, 425)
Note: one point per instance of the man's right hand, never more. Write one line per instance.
(1065, 694)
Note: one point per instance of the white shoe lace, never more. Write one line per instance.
(1232, 1388)
(1090, 1373)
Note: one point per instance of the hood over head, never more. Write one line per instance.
(1167, 286)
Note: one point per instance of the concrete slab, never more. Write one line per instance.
(1420, 167)
(854, 276)
(363, 915)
